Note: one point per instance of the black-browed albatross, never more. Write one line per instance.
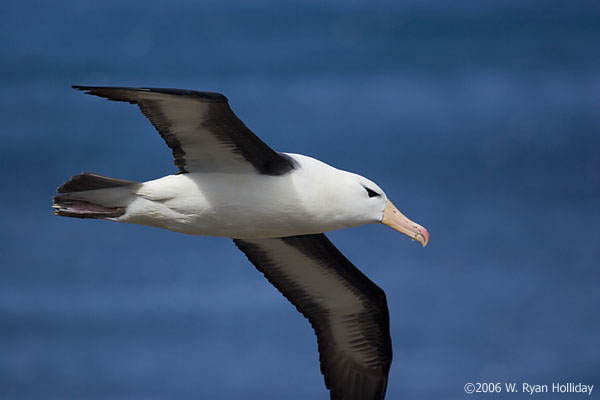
(276, 207)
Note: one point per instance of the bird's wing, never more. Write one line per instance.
(347, 310)
(201, 130)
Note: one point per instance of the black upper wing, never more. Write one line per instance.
(201, 130)
(347, 311)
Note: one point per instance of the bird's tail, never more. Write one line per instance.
(94, 196)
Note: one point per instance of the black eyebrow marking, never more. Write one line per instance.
(371, 193)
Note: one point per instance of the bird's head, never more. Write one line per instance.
(347, 199)
(371, 201)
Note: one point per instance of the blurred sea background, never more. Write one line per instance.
(481, 121)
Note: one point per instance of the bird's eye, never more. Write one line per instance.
(372, 193)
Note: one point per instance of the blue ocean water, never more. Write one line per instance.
(480, 120)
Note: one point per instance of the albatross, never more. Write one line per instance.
(275, 206)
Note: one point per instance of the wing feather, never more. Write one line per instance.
(201, 129)
(347, 310)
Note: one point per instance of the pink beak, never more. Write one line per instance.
(396, 220)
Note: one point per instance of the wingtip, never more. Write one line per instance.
(84, 89)
(100, 90)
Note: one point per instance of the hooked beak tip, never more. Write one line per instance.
(422, 237)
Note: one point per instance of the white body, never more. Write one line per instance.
(312, 198)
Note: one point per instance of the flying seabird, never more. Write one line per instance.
(275, 206)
